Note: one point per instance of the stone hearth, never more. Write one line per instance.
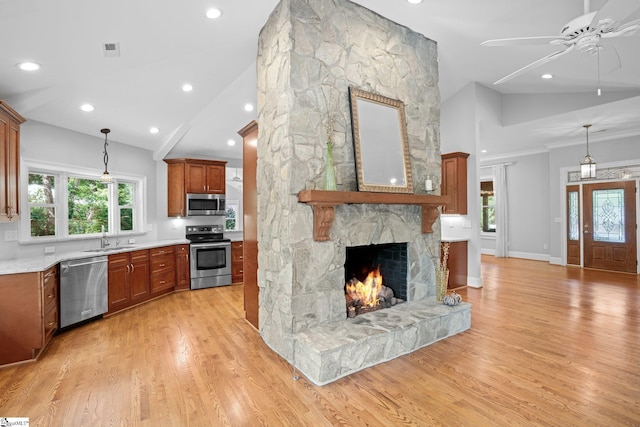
(310, 52)
(333, 350)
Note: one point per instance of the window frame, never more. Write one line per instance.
(62, 172)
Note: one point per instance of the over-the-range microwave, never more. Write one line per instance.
(205, 204)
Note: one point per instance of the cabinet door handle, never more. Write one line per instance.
(133, 268)
(161, 265)
(162, 282)
(50, 296)
(128, 269)
(51, 323)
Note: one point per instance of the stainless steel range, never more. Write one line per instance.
(210, 256)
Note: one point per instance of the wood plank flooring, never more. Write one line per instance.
(548, 346)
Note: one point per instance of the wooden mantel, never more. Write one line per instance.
(323, 203)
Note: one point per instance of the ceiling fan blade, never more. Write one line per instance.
(624, 30)
(618, 10)
(523, 41)
(536, 64)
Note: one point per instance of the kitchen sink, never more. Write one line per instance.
(115, 248)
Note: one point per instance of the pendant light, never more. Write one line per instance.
(588, 165)
(106, 178)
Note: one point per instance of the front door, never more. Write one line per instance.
(609, 227)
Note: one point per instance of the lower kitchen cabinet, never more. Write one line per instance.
(457, 263)
(28, 314)
(163, 270)
(237, 261)
(183, 269)
(128, 279)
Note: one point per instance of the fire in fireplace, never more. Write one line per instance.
(364, 269)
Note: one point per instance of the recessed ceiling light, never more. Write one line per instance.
(414, 1)
(214, 13)
(547, 76)
(483, 151)
(187, 87)
(154, 130)
(87, 107)
(248, 107)
(231, 143)
(29, 66)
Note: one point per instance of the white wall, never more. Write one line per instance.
(459, 132)
(528, 200)
(45, 143)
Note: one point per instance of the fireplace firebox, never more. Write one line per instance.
(375, 277)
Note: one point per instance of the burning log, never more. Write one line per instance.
(369, 295)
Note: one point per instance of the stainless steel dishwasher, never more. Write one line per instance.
(83, 289)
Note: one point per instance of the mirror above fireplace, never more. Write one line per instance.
(380, 143)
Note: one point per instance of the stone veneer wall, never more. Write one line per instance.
(310, 52)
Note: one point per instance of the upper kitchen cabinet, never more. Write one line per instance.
(10, 122)
(454, 182)
(192, 176)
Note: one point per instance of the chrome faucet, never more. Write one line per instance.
(104, 242)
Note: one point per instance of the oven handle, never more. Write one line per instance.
(210, 244)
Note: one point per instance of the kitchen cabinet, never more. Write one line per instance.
(183, 269)
(457, 263)
(128, 279)
(10, 122)
(28, 314)
(192, 176)
(163, 270)
(208, 178)
(454, 182)
(237, 261)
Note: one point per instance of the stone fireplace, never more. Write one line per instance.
(310, 53)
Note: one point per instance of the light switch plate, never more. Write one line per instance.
(49, 249)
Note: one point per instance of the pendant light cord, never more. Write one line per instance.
(106, 155)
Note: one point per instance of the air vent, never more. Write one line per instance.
(111, 50)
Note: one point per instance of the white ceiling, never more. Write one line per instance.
(167, 43)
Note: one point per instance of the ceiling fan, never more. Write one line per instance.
(583, 34)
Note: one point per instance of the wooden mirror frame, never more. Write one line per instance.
(360, 124)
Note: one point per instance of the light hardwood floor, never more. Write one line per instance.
(548, 346)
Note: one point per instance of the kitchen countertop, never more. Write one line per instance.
(41, 263)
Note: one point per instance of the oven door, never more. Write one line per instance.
(210, 264)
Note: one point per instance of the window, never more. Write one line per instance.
(487, 207)
(65, 204)
(126, 205)
(232, 222)
(41, 200)
(88, 206)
